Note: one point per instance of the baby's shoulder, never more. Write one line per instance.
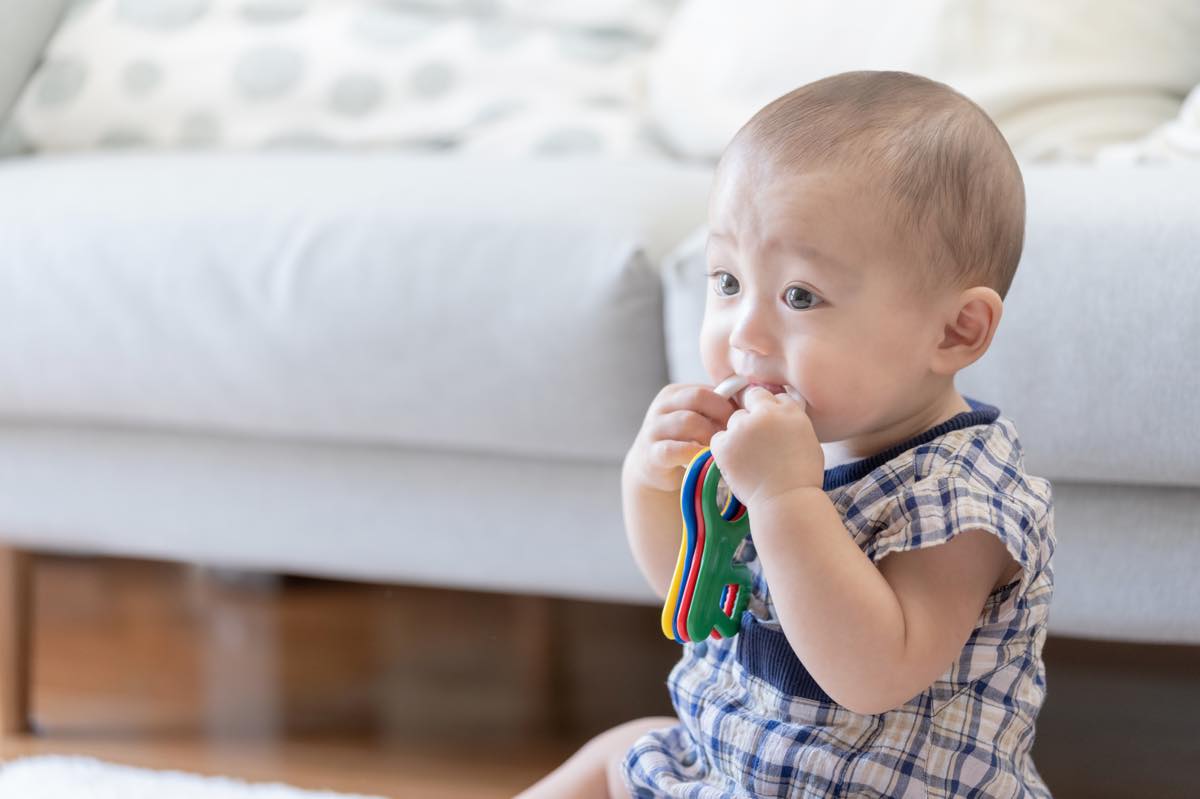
(973, 476)
(989, 455)
(967, 479)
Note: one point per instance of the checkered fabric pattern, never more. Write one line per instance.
(969, 734)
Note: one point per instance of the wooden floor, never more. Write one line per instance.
(431, 693)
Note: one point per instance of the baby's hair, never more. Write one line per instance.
(944, 162)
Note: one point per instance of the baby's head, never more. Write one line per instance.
(863, 232)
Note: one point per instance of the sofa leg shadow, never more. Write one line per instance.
(16, 609)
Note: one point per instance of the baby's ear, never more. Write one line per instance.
(968, 327)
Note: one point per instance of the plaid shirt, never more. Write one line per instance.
(753, 722)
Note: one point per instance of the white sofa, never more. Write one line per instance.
(426, 368)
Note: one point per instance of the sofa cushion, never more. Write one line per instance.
(429, 301)
(505, 77)
(1095, 357)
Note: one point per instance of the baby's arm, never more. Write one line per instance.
(652, 522)
(872, 637)
(680, 421)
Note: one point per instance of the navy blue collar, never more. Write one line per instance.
(846, 473)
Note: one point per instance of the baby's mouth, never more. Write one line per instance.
(735, 386)
(774, 388)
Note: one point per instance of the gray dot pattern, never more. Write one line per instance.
(270, 12)
(275, 63)
(432, 80)
(355, 95)
(498, 36)
(481, 8)
(605, 101)
(597, 47)
(571, 141)
(300, 139)
(199, 129)
(161, 14)
(123, 138)
(267, 72)
(141, 77)
(498, 111)
(381, 29)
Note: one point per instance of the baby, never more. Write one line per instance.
(863, 232)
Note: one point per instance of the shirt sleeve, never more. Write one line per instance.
(935, 510)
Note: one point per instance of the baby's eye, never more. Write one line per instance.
(801, 299)
(726, 284)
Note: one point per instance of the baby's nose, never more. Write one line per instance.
(753, 333)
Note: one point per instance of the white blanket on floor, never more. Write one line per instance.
(71, 777)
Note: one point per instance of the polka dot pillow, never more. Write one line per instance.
(505, 77)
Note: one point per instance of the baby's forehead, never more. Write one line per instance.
(916, 166)
(829, 207)
(833, 225)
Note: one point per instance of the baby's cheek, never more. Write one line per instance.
(815, 375)
(834, 389)
(714, 353)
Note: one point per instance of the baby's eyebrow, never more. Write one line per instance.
(805, 250)
(817, 256)
(837, 270)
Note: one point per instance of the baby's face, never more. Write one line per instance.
(809, 287)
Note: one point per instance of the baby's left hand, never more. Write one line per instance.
(768, 448)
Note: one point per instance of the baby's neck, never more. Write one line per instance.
(873, 442)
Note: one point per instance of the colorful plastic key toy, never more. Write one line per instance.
(709, 591)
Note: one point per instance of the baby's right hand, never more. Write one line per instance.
(679, 423)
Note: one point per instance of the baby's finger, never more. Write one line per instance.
(756, 397)
(683, 425)
(674, 453)
(717, 445)
(701, 399)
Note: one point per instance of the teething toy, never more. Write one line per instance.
(708, 592)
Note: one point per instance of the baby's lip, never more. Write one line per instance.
(735, 385)
(774, 388)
